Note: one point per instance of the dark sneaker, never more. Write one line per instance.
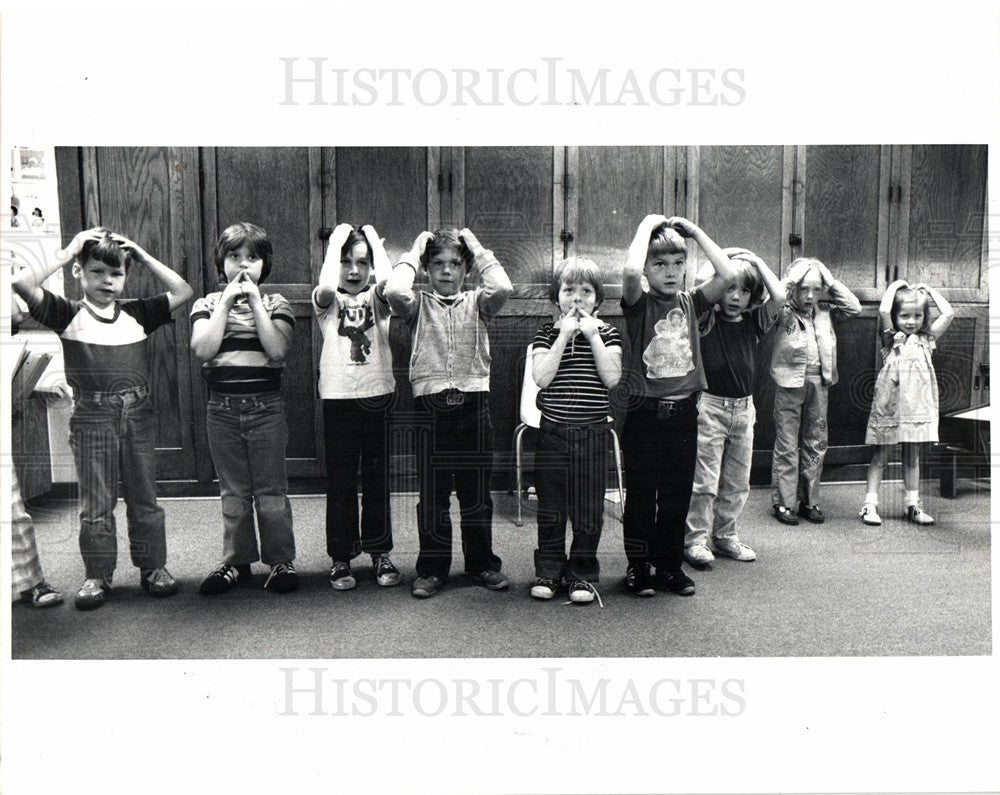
(42, 595)
(583, 592)
(224, 578)
(426, 586)
(157, 582)
(544, 588)
(282, 578)
(492, 580)
(677, 582)
(341, 578)
(386, 574)
(639, 580)
(784, 515)
(92, 594)
(811, 513)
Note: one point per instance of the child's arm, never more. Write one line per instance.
(399, 290)
(28, 282)
(274, 335)
(207, 333)
(947, 314)
(545, 363)
(381, 266)
(179, 292)
(725, 271)
(497, 287)
(608, 360)
(635, 261)
(329, 274)
(843, 299)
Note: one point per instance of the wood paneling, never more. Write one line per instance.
(508, 205)
(739, 198)
(946, 200)
(845, 214)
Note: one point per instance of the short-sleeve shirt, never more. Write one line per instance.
(104, 354)
(729, 352)
(665, 343)
(356, 361)
(577, 394)
(242, 366)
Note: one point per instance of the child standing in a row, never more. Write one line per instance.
(450, 374)
(357, 387)
(661, 430)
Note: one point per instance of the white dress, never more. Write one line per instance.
(905, 403)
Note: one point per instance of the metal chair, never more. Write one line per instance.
(531, 417)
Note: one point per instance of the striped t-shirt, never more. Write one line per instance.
(241, 366)
(576, 395)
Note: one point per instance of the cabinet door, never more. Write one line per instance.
(136, 191)
(609, 190)
(943, 215)
(279, 189)
(846, 213)
(505, 195)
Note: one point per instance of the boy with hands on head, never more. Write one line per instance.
(660, 437)
(450, 374)
(113, 426)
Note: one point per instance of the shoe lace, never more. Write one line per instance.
(383, 565)
(585, 585)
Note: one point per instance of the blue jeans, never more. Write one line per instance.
(722, 470)
(800, 442)
(113, 436)
(571, 474)
(247, 435)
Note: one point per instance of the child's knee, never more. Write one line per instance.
(234, 506)
(273, 506)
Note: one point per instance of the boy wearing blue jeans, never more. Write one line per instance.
(726, 413)
(660, 437)
(113, 426)
(450, 374)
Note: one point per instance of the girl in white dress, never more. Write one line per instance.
(905, 404)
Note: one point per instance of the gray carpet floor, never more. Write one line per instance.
(836, 589)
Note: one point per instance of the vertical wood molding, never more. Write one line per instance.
(789, 197)
(886, 247)
(693, 210)
(903, 181)
(565, 200)
(457, 192)
(433, 220)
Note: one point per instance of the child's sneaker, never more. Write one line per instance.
(492, 580)
(92, 594)
(699, 555)
(386, 574)
(42, 595)
(918, 515)
(544, 588)
(639, 580)
(224, 578)
(677, 582)
(582, 592)
(282, 578)
(157, 582)
(734, 548)
(869, 514)
(341, 578)
(424, 587)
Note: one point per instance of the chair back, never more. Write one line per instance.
(531, 415)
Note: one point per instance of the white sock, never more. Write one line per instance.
(911, 497)
(871, 497)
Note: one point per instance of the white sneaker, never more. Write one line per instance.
(869, 514)
(734, 548)
(698, 555)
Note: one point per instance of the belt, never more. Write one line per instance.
(665, 407)
(138, 391)
(735, 402)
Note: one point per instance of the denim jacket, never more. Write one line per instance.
(789, 357)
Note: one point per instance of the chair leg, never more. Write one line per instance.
(518, 433)
(618, 468)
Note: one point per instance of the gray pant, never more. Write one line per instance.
(800, 442)
(722, 469)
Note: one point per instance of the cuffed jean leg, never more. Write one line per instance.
(232, 467)
(734, 473)
(785, 464)
(94, 441)
(814, 442)
(147, 530)
(712, 429)
(266, 432)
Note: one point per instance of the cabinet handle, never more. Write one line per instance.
(899, 193)
(795, 239)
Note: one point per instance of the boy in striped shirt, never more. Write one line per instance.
(575, 361)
